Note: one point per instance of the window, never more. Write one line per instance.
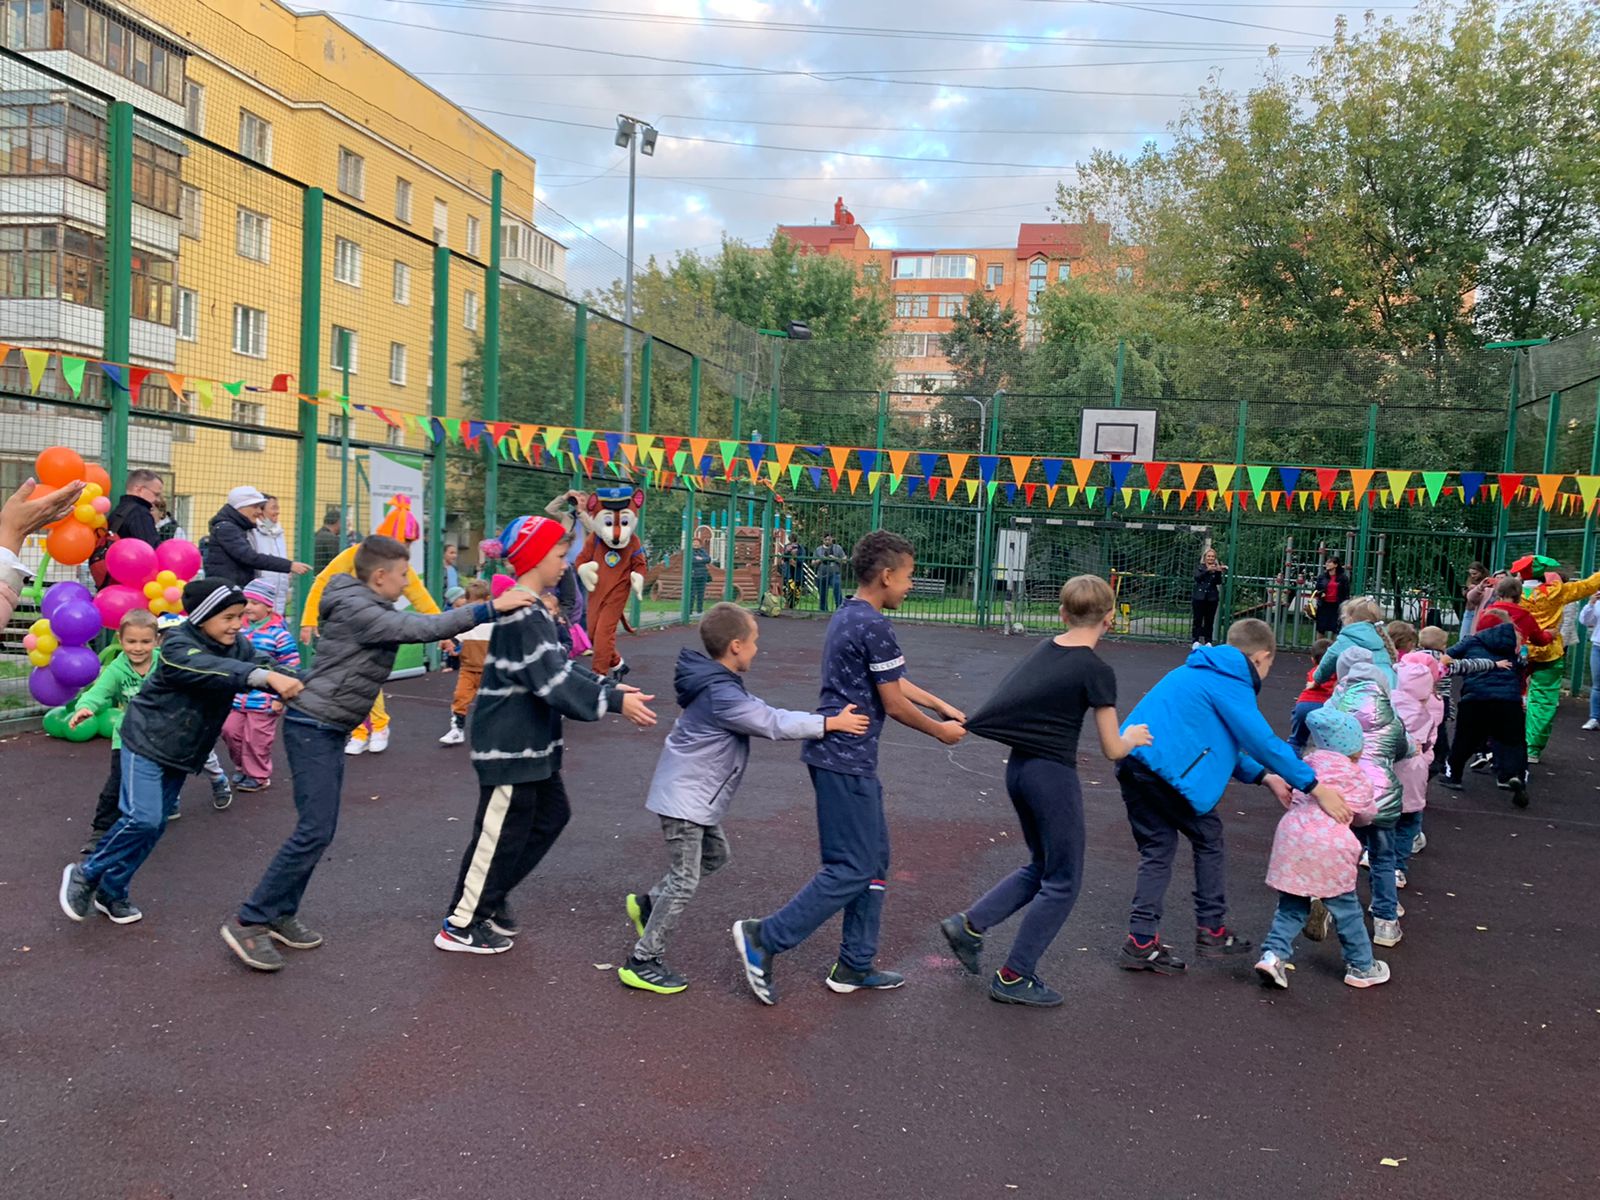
(473, 235)
(152, 288)
(951, 303)
(1124, 274)
(1063, 272)
(397, 364)
(994, 275)
(912, 266)
(402, 200)
(469, 310)
(1038, 271)
(155, 176)
(53, 139)
(871, 272)
(402, 283)
(50, 262)
(28, 25)
(352, 174)
(89, 30)
(253, 235)
(336, 432)
(162, 398)
(246, 413)
(346, 262)
(188, 314)
(511, 245)
(337, 341)
(190, 204)
(955, 266)
(249, 331)
(915, 345)
(394, 435)
(910, 306)
(255, 138)
(441, 223)
(194, 108)
(469, 384)
(1033, 331)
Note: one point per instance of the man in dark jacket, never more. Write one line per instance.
(230, 553)
(325, 546)
(133, 516)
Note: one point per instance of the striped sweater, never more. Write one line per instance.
(272, 638)
(529, 684)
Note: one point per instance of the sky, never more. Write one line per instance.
(940, 122)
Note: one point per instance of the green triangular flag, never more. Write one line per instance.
(1258, 479)
(585, 440)
(1091, 495)
(677, 460)
(233, 389)
(794, 475)
(452, 427)
(72, 372)
(990, 487)
(729, 451)
(1433, 481)
(551, 436)
(1144, 497)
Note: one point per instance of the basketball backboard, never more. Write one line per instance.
(1118, 434)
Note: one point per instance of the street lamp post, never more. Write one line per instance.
(977, 553)
(636, 135)
(796, 331)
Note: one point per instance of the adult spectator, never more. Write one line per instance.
(24, 514)
(1205, 597)
(230, 554)
(325, 546)
(167, 527)
(452, 577)
(1333, 589)
(134, 515)
(269, 539)
(830, 564)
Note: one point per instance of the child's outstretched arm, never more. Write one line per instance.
(746, 714)
(1117, 743)
(97, 697)
(899, 705)
(545, 670)
(931, 702)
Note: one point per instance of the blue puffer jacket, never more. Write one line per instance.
(1362, 634)
(1206, 729)
(1497, 642)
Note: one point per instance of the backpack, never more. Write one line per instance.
(771, 605)
(104, 539)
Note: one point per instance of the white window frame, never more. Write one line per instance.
(474, 236)
(994, 275)
(194, 107)
(916, 306)
(394, 435)
(401, 291)
(245, 322)
(469, 310)
(335, 341)
(352, 178)
(257, 147)
(912, 266)
(257, 248)
(1124, 274)
(247, 413)
(347, 261)
(336, 421)
(402, 201)
(954, 266)
(441, 223)
(397, 358)
(950, 304)
(188, 304)
(191, 211)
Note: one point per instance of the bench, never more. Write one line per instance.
(931, 589)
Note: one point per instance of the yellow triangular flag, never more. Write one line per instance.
(972, 488)
(1224, 474)
(37, 361)
(1588, 488)
(1398, 481)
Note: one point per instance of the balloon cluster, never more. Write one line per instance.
(58, 645)
(71, 540)
(146, 578)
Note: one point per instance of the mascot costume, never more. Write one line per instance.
(611, 565)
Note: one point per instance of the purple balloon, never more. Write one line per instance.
(75, 624)
(74, 666)
(49, 691)
(62, 594)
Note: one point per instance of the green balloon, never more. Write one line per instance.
(105, 724)
(55, 723)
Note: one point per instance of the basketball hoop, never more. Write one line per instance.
(1117, 434)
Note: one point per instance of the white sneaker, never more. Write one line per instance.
(378, 742)
(1366, 861)
(356, 746)
(1386, 933)
(453, 736)
(1400, 881)
(1271, 970)
(1533, 758)
(1591, 725)
(1377, 973)
(1419, 843)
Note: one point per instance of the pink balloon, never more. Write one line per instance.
(30, 642)
(180, 557)
(174, 596)
(101, 505)
(131, 561)
(117, 600)
(499, 585)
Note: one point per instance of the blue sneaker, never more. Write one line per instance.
(843, 979)
(1029, 990)
(756, 960)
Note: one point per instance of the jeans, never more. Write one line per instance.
(149, 794)
(1158, 813)
(1204, 622)
(516, 825)
(1347, 919)
(1405, 833)
(1500, 723)
(316, 756)
(694, 850)
(106, 808)
(1049, 804)
(1380, 846)
(828, 585)
(1594, 682)
(697, 595)
(1299, 731)
(853, 835)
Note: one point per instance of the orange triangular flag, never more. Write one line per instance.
(854, 478)
(958, 465)
(1361, 480)
(897, 461)
(1080, 470)
(1191, 475)
(1019, 466)
(1549, 489)
(785, 451)
(840, 456)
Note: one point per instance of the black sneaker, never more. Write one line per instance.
(966, 944)
(121, 912)
(221, 795)
(292, 932)
(649, 975)
(1450, 782)
(253, 945)
(248, 783)
(755, 959)
(77, 893)
(504, 922)
(93, 843)
(845, 979)
(1519, 791)
(476, 938)
(1151, 955)
(1481, 763)
(1221, 942)
(638, 905)
(1028, 989)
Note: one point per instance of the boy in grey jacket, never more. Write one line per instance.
(699, 770)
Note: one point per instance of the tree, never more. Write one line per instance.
(984, 346)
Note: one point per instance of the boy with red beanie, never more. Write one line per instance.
(529, 684)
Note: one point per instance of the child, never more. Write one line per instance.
(1312, 697)
(1507, 601)
(1314, 857)
(168, 729)
(361, 631)
(1431, 641)
(862, 666)
(1403, 637)
(1205, 729)
(1422, 712)
(1038, 711)
(118, 682)
(252, 726)
(528, 685)
(699, 770)
(221, 786)
(472, 647)
(1363, 692)
(1491, 706)
(1360, 617)
(453, 598)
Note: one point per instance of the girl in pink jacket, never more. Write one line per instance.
(1314, 856)
(1420, 709)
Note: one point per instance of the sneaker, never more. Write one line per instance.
(1480, 762)
(638, 905)
(236, 777)
(120, 912)
(356, 745)
(1221, 942)
(756, 960)
(1419, 843)
(248, 783)
(1451, 782)
(476, 938)
(1318, 923)
(253, 945)
(1399, 911)
(1367, 977)
(221, 795)
(453, 736)
(1151, 955)
(77, 893)
(1590, 725)
(650, 976)
(1519, 792)
(1533, 758)
(1386, 933)
(1272, 970)
(177, 812)
(846, 979)
(504, 922)
(619, 672)
(1366, 861)
(92, 844)
(292, 932)
(1028, 990)
(966, 944)
(1399, 879)
(378, 742)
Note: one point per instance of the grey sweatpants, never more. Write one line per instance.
(695, 850)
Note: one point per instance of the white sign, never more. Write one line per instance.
(391, 475)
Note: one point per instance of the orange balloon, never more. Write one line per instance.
(94, 474)
(70, 543)
(56, 467)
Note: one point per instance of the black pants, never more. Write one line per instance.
(106, 811)
(1441, 741)
(1205, 621)
(316, 756)
(1158, 813)
(515, 827)
(1503, 726)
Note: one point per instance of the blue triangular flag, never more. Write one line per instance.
(986, 465)
(928, 463)
(815, 451)
(816, 476)
(115, 372)
(1052, 470)
(1119, 472)
(1471, 481)
(705, 464)
(913, 482)
(869, 460)
(1290, 477)
(613, 446)
(757, 452)
(1011, 492)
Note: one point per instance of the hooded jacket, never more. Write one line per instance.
(176, 715)
(704, 758)
(1312, 854)
(1362, 634)
(1509, 610)
(1420, 710)
(1207, 729)
(230, 552)
(1363, 692)
(116, 684)
(361, 633)
(1495, 641)
(269, 540)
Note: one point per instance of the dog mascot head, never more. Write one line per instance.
(612, 515)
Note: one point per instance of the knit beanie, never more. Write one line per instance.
(1335, 730)
(205, 598)
(260, 591)
(525, 542)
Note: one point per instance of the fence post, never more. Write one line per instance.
(1502, 522)
(310, 380)
(580, 377)
(733, 494)
(1228, 588)
(883, 431)
(491, 360)
(1122, 358)
(1549, 460)
(769, 436)
(688, 493)
(644, 427)
(986, 557)
(1582, 657)
(1364, 515)
(119, 283)
(437, 406)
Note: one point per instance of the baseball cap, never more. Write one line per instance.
(244, 496)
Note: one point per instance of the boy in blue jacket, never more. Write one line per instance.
(1205, 729)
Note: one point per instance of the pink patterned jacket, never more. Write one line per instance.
(10, 593)
(1312, 854)
(1420, 711)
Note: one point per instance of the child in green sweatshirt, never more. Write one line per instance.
(116, 684)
